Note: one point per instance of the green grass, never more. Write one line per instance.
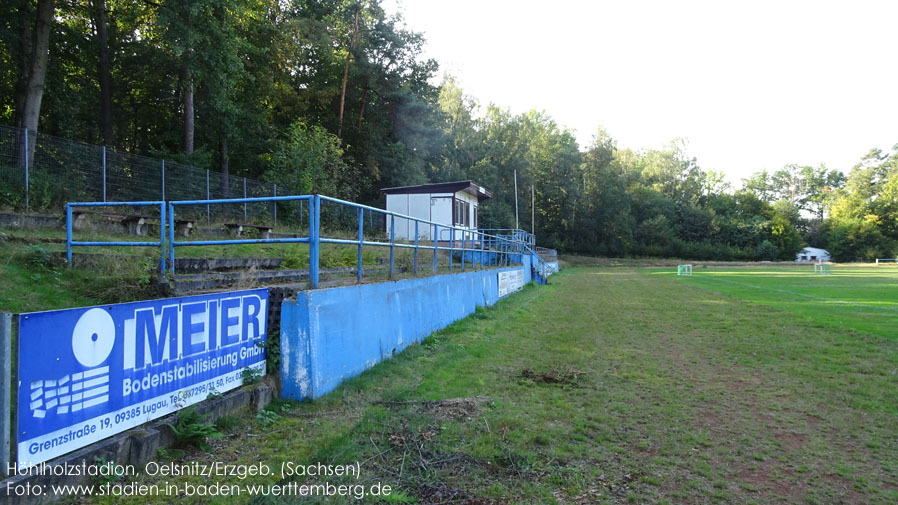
(614, 385)
(853, 297)
(35, 278)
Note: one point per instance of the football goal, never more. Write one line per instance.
(823, 269)
(886, 260)
(684, 270)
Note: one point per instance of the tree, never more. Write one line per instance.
(33, 91)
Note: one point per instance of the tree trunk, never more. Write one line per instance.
(225, 166)
(352, 43)
(223, 157)
(362, 108)
(34, 88)
(103, 73)
(23, 56)
(188, 113)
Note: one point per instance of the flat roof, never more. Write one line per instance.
(441, 187)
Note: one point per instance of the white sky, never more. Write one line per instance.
(751, 85)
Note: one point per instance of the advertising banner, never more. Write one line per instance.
(510, 281)
(88, 373)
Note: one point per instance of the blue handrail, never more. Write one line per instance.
(73, 243)
(503, 248)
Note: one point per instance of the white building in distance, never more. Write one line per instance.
(812, 255)
(445, 203)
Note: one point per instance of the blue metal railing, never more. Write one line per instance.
(313, 226)
(72, 243)
(476, 247)
(472, 246)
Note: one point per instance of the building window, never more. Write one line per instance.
(462, 213)
(475, 217)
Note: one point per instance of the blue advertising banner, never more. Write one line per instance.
(86, 374)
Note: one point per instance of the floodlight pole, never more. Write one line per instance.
(516, 225)
(533, 213)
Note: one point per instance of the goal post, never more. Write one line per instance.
(684, 270)
(823, 269)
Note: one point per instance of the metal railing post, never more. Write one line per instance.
(436, 246)
(464, 244)
(171, 232)
(208, 207)
(5, 390)
(392, 242)
(451, 246)
(361, 239)
(244, 196)
(416, 248)
(68, 234)
(481, 250)
(27, 148)
(104, 173)
(275, 205)
(315, 242)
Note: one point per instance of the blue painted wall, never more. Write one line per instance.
(330, 335)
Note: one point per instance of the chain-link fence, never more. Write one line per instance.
(40, 173)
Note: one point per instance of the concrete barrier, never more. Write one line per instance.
(330, 335)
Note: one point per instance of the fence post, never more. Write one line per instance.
(436, 246)
(171, 231)
(315, 239)
(416, 248)
(5, 389)
(451, 246)
(68, 234)
(392, 241)
(163, 180)
(244, 196)
(208, 207)
(361, 239)
(25, 157)
(275, 205)
(104, 173)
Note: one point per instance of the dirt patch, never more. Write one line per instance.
(456, 408)
(450, 408)
(441, 493)
(763, 482)
(556, 377)
(790, 440)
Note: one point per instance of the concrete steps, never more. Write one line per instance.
(211, 281)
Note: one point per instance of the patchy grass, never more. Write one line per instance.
(608, 386)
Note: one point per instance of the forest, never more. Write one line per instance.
(334, 96)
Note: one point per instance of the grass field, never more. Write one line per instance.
(852, 297)
(617, 385)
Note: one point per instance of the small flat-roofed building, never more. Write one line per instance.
(445, 203)
(812, 255)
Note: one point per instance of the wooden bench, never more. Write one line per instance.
(139, 225)
(236, 229)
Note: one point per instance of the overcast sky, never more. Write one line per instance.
(751, 85)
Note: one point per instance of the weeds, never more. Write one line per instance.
(250, 375)
(190, 430)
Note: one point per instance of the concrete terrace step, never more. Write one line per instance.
(218, 280)
(196, 265)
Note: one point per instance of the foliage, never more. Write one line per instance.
(190, 430)
(335, 97)
(250, 376)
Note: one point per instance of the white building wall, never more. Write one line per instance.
(435, 207)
